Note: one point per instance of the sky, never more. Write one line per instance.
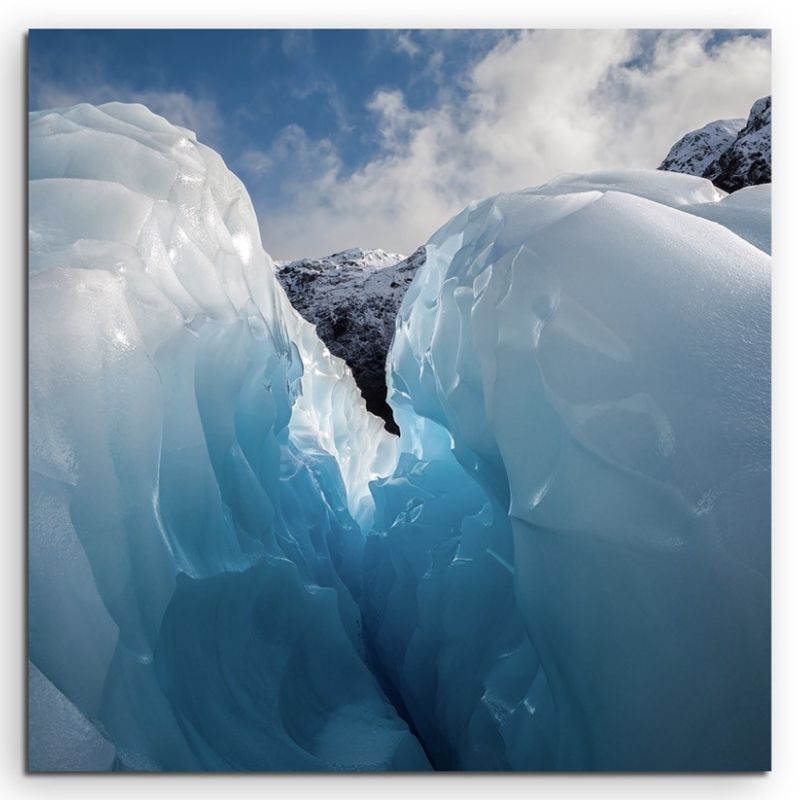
(375, 138)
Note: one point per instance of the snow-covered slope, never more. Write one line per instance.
(748, 161)
(352, 298)
(695, 151)
(747, 212)
(355, 258)
(730, 153)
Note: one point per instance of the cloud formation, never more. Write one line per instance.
(539, 104)
(180, 108)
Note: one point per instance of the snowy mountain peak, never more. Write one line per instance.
(352, 298)
(760, 113)
(731, 153)
(695, 151)
(748, 161)
(355, 257)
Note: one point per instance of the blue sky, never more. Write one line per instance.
(259, 81)
(352, 137)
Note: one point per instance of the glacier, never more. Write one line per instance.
(597, 359)
(562, 564)
(198, 466)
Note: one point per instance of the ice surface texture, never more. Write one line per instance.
(562, 564)
(598, 360)
(191, 536)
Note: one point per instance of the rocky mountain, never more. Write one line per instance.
(352, 297)
(748, 161)
(731, 153)
(693, 153)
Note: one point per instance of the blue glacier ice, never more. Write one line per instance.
(598, 360)
(191, 535)
(562, 563)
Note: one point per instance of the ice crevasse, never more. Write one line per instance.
(563, 562)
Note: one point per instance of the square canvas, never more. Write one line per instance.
(399, 400)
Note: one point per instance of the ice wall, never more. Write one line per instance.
(443, 625)
(596, 355)
(193, 548)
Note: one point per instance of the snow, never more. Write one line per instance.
(356, 257)
(694, 152)
(746, 212)
(352, 299)
(732, 153)
(672, 189)
(748, 161)
(736, 155)
(562, 563)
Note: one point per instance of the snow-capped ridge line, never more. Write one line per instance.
(732, 154)
(352, 299)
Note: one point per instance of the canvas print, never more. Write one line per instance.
(399, 400)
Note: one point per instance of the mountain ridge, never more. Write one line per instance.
(352, 297)
(732, 153)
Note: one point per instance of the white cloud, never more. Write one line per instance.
(540, 103)
(199, 114)
(295, 160)
(403, 43)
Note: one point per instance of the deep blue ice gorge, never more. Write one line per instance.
(562, 564)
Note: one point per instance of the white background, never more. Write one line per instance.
(16, 17)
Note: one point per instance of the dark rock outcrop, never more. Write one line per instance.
(748, 161)
(732, 154)
(352, 298)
